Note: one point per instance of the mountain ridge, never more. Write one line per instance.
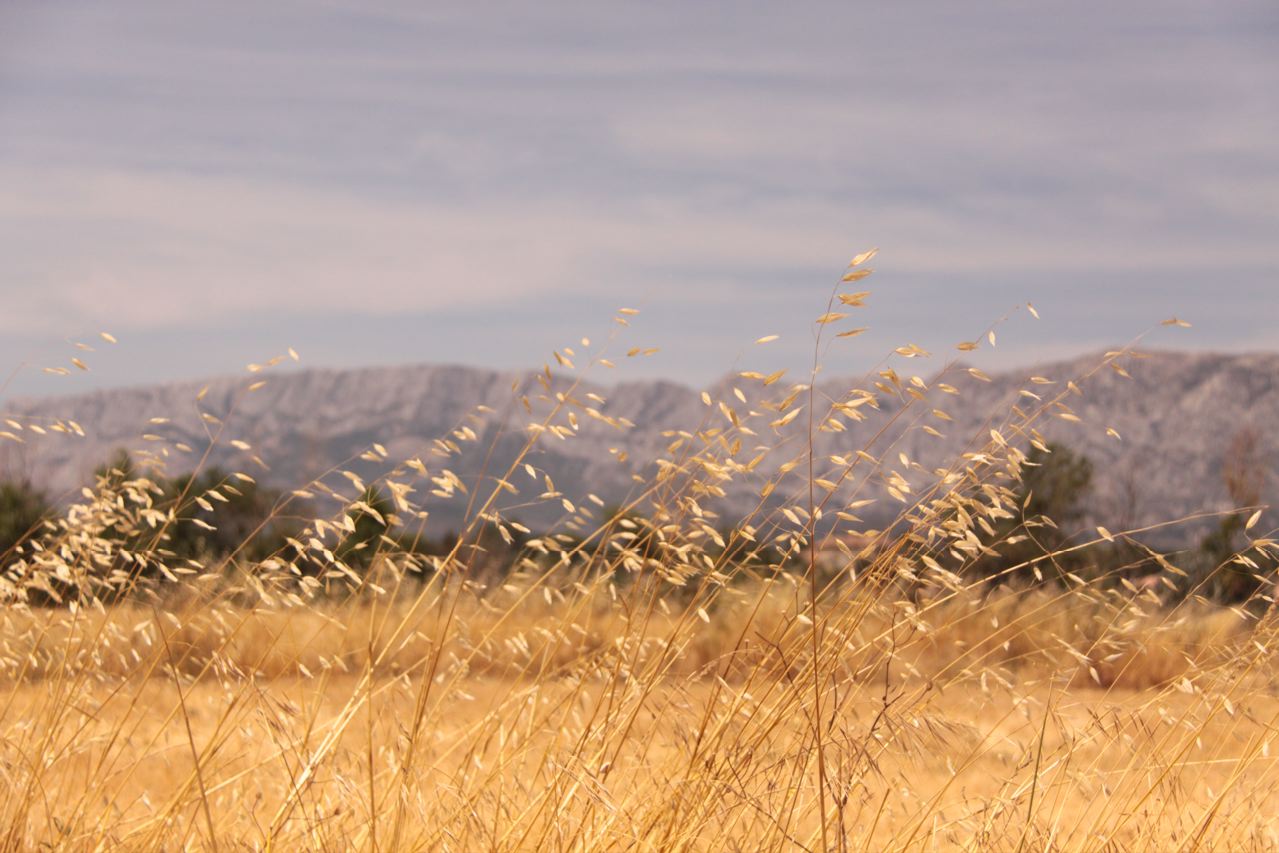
(1175, 415)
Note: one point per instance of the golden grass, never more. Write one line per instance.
(593, 750)
(570, 725)
(655, 681)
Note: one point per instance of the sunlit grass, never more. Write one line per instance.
(653, 678)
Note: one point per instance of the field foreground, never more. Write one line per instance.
(592, 750)
(188, 663)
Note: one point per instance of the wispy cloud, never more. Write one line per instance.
(166, 167)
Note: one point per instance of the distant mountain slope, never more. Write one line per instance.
(1175, 414)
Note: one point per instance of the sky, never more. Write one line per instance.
(482, 183)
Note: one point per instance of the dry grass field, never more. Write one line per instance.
(647, 679)
(313, 731)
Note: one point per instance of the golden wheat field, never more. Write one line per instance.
(322, 730)
(652, 677)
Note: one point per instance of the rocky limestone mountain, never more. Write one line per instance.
(1175, 414)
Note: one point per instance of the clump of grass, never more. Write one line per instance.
(658, 677)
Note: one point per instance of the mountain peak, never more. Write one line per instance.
(1175, 413)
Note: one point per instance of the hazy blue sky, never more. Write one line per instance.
(399, 182)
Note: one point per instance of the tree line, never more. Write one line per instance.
(1032, 545)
